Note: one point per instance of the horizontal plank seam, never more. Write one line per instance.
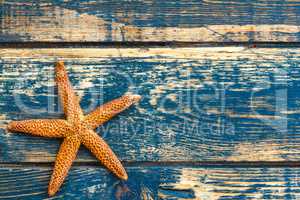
(272, 44)
(214, 164)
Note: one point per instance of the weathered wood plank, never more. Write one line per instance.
(149, 183)
(199, 104)
(184, 21)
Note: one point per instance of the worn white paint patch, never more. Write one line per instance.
(253, 116)
(290, 112)
(214, 184)
(258, 151)
(210, 33)
(146, 194)
(35, 156)
(177, 79)
(2, 117)
(96, 188)
(190, 179)
(3, 121)
(154, 54)
(79, 26)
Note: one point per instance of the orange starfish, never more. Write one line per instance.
(76, 129)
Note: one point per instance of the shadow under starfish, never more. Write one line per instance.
(76, 129)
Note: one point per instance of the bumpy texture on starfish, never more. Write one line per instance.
(76, 129)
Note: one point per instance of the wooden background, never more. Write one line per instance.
(220, 80)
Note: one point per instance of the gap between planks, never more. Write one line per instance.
(146, 44)
(213, 164)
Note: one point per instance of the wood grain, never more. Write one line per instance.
(149, 183)
(182, 21)
(199, 104)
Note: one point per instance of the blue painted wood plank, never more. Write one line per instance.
(199, 104)
(201, 21)
(153, 183)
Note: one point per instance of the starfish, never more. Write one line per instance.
(76, 129)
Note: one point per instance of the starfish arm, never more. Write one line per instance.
(107, 111)
(103, 153)
(54, 128)
(69, 100)
(64, 159)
